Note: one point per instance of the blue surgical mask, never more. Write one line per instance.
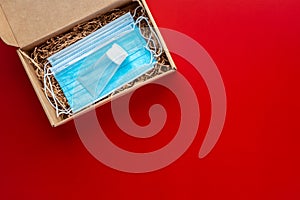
(97, 65)
(92, 41)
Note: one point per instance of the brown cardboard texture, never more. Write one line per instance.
(27, 23)
(23, 22)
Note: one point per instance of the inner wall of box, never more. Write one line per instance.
(38, 85)
(113, 5)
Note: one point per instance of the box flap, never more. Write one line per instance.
(23, 22)
(6, 33)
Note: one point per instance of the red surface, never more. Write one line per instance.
(255, 45)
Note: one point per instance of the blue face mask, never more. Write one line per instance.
(102, 62)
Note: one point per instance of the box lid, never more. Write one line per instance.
(23, 22)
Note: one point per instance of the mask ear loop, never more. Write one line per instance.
(135, 11)
(149, 39)
(47, 80)
(156, 51)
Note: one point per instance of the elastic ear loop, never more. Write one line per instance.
(135, 11)
(58, 111)
(149, 39)
(138, 21)
(65, 111)
(47, 74)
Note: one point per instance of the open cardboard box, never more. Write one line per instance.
(27, 23)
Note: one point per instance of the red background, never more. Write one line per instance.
(255, 44)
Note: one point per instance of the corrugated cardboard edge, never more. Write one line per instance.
(6, 33)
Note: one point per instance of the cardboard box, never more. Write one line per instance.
(27, 23)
